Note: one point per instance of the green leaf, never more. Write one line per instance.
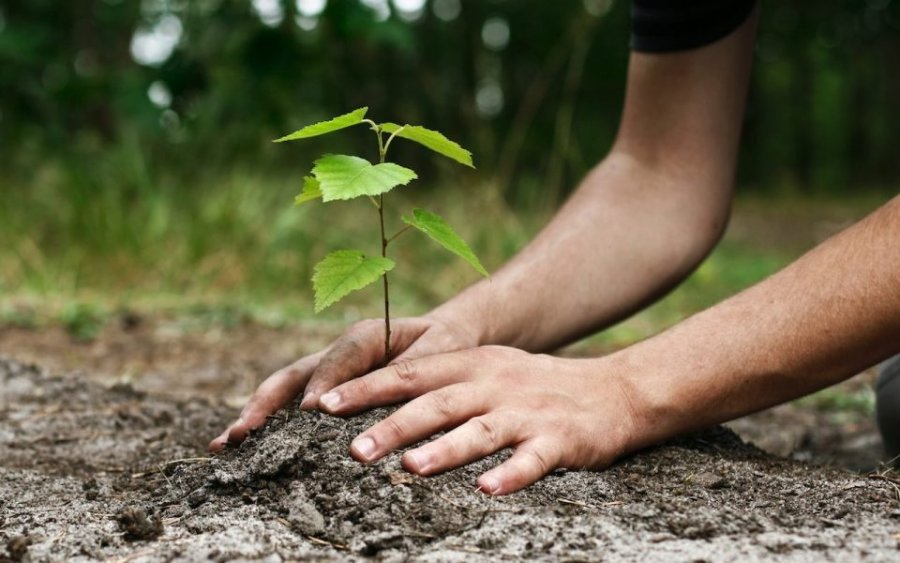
(345, 177)
(433, 140)
(435, 227)
(355, 117)
(311, 190)
(343, 272)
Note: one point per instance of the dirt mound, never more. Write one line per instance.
(95, 473)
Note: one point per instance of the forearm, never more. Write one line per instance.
(641, 220)
(627, 236)
(831, 314)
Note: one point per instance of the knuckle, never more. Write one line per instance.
(405, 371)
(355, 391)
(441, 403)
(291, 373)
(487, 430)
(540, 460)
(362, 327)
(492, 351)
(394, 429)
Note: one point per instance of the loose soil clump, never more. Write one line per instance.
(97, 473)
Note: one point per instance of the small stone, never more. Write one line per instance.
(18, 547)
(327, 435)
(400, 478)
(138, 525)
(710, 480)
(303, 514)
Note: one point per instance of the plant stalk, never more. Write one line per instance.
(384, 277)
(382, 152)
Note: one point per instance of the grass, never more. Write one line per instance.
(80, 243)
(81, 246)
(832, 400)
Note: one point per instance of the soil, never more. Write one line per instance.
(183, 357)
(107, 472)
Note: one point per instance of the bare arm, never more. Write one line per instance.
(638, 224)
(828, 316)
(824, 318)
(641, 220)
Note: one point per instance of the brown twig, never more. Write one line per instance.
(320, 541)
(893, 482)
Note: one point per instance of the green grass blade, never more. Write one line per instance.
(355, 117)
(434, 140)
(311, 191)
(343, 272)
(435, 227)
(346, 177)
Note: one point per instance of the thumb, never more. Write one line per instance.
(358, 351)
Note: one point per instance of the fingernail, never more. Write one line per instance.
(364, 446)
(419, 462)
(330, 400)
(490, 485)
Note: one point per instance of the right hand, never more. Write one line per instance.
(357, 352)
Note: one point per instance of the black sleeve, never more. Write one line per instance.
(659, 26)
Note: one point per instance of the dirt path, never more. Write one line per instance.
(97, 473)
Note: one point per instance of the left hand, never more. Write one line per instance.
(555, 412)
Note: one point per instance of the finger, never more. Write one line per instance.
(479, 437)
(531, 461)
(219, 442)
(397, 382)
(276, 392)
(355, 353)
(418, 420)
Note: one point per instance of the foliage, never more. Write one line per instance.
(432, 139)
(83, 321)
(355, 117)
(342, 177)
(347, 177)
(311, 191)
(440, 232)
(345, 271)
(822, 112)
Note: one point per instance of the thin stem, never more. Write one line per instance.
(382, 151)
(398, 233)
(384, 277)
(391, 138)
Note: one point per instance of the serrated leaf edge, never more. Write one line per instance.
(316, 306)
(414, 175)
(392, 128)
(413, 222)
(300, 199)
(290, 136)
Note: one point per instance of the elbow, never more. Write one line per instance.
(700, 230)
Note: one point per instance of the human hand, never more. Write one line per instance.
(555, 412)
(355, 353)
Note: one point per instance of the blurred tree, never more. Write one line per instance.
(533, 87)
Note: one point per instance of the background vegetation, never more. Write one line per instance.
(135, 162)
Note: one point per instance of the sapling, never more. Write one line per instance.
(341, 177)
